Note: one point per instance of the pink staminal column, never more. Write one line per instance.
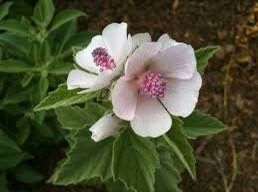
(102, 59)
(153, 85)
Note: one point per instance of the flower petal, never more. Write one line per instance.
(182, 95)
(106, 126)
(116, 40)
(84, 58)
(103, 80)
(139, 39)
(137, 62)
(124, 99)
(166, 41)
(151, 118)
(177, 62)
(80, 79)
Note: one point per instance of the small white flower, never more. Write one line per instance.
(160, 79)
(102, 59)
(106, 126)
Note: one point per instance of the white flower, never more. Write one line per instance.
(102, 59)
(160, 79)
(106, 126)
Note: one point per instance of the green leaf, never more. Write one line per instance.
(62, 97)
(200, 124)
(26, 174)
(203, 55)
(45, 51)
(169, 175)
(23, 130)
(134, 161)
(4, 9)
(179, 145)
(15, 66)
(18, 46)
(15, 94)
(117, 186)
(77, 118)
(16, 27)
(86, 160)
(43, 13)
(64, 17)
(26, 79)
(61, 68)
(63, 34)
(43, 86)
(10, 153)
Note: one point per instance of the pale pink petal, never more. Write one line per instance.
(151, 118)
(84, 58)
(139, 39)
(182, 95)
(116, 40)
(124, 99)
(103, 80)
(80, 79)
(105, 127)
(177, 62)
(166, 41)
(140, 58)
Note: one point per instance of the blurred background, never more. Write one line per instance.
(228, 161)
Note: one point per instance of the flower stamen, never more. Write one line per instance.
(153, 85)
(102, 59)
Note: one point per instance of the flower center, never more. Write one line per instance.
(102, 59)
(153, 85)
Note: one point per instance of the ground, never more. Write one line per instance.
(228, 161)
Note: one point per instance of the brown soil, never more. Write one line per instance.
(228, 161)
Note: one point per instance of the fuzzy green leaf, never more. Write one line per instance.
(179, 145)
(203, 55)
(4, 9)
(64, 17)
(43, 12)
(200, 124)
(15, 66)
(85, 160)
(10, 153)
(61, 68)
(18, 46)
(135, 160)
(117, 186)
(169, 175)
(62, 97)
(16, 27)
(76, 118)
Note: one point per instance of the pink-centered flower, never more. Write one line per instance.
(102, 59)
(160, 80)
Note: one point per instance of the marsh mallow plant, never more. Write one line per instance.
(125, 103)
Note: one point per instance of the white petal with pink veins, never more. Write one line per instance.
(84, 57)
(80, 79)
(106, 126)
(182, 95)
(124, 99)
(116, 40)
(139, 39)
(139, 60)
(166, 41)
(177, 62)
(151, 118)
